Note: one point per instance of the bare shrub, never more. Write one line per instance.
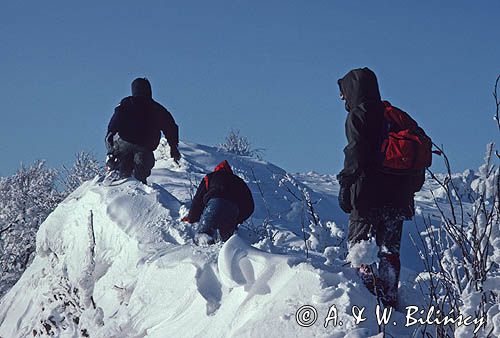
(238, 144)
(461, 254)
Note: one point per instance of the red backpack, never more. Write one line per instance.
(405, 148)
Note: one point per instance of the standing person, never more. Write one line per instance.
(222, 201)
(377, 202)
(134, 132)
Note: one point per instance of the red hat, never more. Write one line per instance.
(224, 165)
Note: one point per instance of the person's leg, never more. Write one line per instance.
(126, 165)
(219, 214)
(208, 219)
(359, 230)
(389, 241)
(227, 219)
(363, 230)
(144, 161)
(124, 152)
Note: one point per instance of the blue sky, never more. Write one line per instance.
(268, 68)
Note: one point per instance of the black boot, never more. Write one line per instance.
(370, 279)
(388, 272)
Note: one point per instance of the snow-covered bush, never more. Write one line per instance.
(461, 255)
(317, 237)
(462, 187)
(238, 144)
(84, 168)
(26, 199)
(162, 152)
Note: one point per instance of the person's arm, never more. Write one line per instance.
(113, 127)
(197, 205)
(168, 126)
(171, 131)
(355, 157)
(355, 153)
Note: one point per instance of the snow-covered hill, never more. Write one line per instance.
(115, 261)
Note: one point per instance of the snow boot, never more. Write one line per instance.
(388, 273)
(367, 274)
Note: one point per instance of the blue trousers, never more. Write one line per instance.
(219, 214)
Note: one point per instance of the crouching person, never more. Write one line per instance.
(134, 133)
(222, 201)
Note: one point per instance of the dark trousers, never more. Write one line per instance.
(133, 158)
(219, 214)
(387, 233)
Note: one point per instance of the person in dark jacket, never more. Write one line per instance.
(222, 201)
(377, 202)
(134, 132)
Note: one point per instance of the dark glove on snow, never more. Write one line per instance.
(112, 162)
(345, 198)
(175, 154)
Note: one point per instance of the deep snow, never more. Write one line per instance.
(115, 261)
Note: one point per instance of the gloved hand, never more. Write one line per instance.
(345, 198)
(175, 154)
(112, 162)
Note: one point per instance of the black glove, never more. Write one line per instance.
(345, 198)
(112, 162)
(175, 154)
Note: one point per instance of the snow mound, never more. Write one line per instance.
(116, 261)
(147, 278)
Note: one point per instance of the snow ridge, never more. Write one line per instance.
(116, 261)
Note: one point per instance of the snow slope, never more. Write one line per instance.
(115, 261)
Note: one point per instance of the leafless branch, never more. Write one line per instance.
(497, 102)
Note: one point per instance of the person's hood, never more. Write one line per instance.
(224, 165)
(359, 86)
(141, 87)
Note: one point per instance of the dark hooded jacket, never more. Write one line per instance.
(371, 189)
(222, 183)
(139, 119)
